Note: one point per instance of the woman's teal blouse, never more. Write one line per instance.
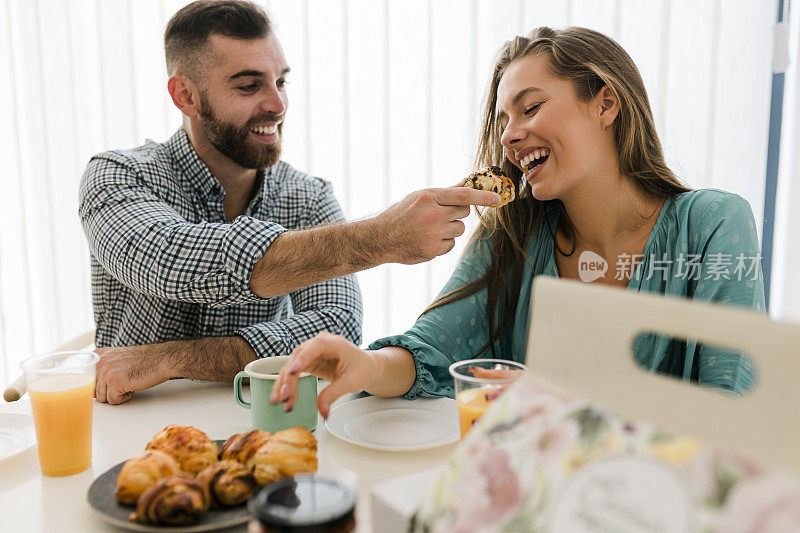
(703, 246)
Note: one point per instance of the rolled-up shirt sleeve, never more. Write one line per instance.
(147, 246)
(334, 306)
(446, 334)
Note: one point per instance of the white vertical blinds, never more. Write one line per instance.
(384, 99)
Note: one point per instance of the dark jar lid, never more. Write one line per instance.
(304, 503)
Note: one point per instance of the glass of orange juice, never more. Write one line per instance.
(61, 386)
(477, 383)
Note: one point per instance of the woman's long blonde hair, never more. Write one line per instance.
(591, 61)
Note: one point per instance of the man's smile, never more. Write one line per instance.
(267, 133)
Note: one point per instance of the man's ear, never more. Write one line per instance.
(608, 106)
(185, 95)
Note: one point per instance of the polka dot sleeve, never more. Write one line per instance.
(730, 274)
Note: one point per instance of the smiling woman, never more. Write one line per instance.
(568, 119)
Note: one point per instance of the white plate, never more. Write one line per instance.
(396, 425)
(17, 434)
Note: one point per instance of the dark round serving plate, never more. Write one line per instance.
(103, 501)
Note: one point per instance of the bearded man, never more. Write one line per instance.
(207, 250)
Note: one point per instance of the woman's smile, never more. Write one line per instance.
(534, 167)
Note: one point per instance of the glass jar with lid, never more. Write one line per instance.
(307, 503)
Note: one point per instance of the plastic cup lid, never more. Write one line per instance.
(305, 500)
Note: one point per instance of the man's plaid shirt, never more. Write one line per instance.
(166, 265)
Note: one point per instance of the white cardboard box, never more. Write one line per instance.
(395, 501)
(589, 441)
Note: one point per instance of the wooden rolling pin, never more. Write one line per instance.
(15, 391)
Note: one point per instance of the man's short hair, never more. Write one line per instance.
(186, 39)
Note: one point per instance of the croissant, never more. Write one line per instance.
(173, 500)
(228, 483)
(297, 436)
(242, 446)
(142, 471)
(289, 452)
(192, 448)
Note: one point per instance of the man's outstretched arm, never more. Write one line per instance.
(423, 225)
(123, 370)
(146, 245)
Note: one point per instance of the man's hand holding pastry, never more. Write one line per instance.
(425, 224)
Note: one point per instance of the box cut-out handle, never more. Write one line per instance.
(580, 342)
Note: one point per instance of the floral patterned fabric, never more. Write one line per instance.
(538, 462)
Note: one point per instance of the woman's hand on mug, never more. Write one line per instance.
(333, 358)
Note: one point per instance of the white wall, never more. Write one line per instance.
(384, 97)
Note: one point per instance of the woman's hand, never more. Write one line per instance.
(333, 358)
(492, 373)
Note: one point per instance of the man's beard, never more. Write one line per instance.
(233, 142)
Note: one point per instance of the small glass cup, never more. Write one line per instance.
(478, 382)
(61, 386)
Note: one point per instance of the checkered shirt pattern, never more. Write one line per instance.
(166, 264)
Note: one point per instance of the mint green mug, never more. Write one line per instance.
(272, 418)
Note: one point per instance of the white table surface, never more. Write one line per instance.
(36, 503)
